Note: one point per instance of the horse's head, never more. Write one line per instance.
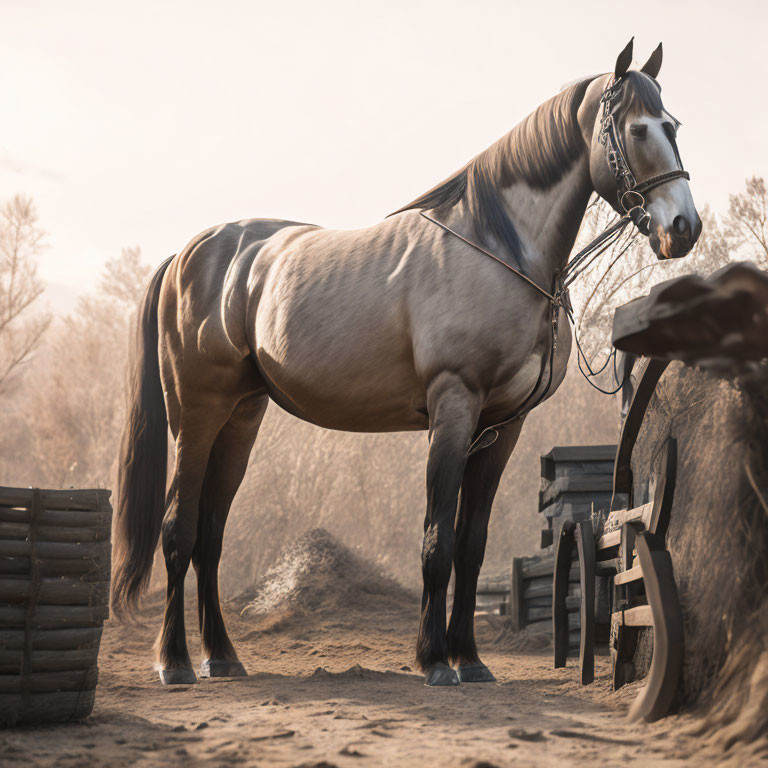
(634, 161)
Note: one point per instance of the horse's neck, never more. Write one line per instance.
(548, 220)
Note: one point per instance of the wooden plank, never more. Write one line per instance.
(639, 616)
(74, 499)
(545, 591)
(562, 565)
(45, 707)
(12, 661)
(664, 491)
(607, 567)
(23, 531)
(537, 613)
(496, 583)
(666, 667)
(55, 550)
(544, 627)
(609, 540)
(492, 596)
(563, 453)
(58, 518)
(50, 682)
(54, 616)
(86, 569)
(624, 577)
(585, 543)
(619, 517)
(541, 590)
(516, 604)
(538, 602)
(51, 639)
(587, 483)
(543, 567)
(55, 591)
(622, 474)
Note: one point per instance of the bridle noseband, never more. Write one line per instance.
(630, 192)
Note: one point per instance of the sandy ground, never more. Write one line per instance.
(332, 686)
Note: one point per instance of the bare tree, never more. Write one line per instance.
(628, 269)
(746, 224)
(125, 278)
(21, 241)
(71, 415)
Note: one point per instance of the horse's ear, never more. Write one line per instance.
(624, 60)
(653, 65)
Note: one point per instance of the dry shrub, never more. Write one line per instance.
(718, 540)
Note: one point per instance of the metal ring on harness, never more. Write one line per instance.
(641, 219)
(636, 200)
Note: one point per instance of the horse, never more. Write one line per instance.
(404, 325)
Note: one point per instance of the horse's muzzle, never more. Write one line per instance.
(677, 240)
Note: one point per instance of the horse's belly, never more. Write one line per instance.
(342, 400)
(340, 372)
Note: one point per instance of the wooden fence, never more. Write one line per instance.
(576, 483)
(524, 594)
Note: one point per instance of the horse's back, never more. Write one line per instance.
(223, 243)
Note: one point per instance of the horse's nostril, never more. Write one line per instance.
(681, 226)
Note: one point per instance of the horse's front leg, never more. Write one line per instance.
(453, 414)
(478, 488)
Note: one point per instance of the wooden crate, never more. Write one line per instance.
(525, 595)
(55, 549)
(576, 482)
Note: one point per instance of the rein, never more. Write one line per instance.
(631, 198)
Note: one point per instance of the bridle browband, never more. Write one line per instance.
(631, 199)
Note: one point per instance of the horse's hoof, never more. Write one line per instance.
(178, 676)
(475, 673)
(440, 674)
(222, 668)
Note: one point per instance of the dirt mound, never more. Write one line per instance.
(319, 576)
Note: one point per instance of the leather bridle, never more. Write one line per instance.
(630, 192)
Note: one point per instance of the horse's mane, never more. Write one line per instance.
(539, 151)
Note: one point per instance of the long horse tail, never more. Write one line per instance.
(142, 465)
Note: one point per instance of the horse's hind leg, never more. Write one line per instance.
(226, 468)
(478, 488)
(195, 427)
(453, 412)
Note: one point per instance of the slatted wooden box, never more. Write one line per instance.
(576, 482)
(54, 597)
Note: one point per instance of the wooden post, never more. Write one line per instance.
(563, 557)
(585, 541)
(516, 604)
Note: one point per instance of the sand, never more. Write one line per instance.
(328, 643)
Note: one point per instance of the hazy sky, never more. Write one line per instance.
(141, 123)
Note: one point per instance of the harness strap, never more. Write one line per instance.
(662, 178)
(553, 299)
(557, 300)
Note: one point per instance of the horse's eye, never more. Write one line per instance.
(639, 130)
(670, 129)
